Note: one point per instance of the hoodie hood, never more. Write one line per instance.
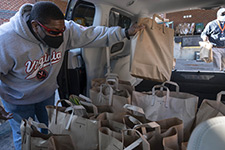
(19, 23)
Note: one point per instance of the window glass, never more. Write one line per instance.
(118, 19)
(84, 13)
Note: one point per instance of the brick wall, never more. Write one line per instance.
(197, 16)
(8, 8)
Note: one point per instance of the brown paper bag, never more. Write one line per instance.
(165, 135)
(153, 51)
(82, 130)
(128, 117)
(111, 140)
(184, 145)
(105, 96)
(60, 142)
(210, 108)
(33, 139)
(159, 104)
(113, 79)
(206, 52)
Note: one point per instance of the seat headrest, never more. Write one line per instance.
(208, 135)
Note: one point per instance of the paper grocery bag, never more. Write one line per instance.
(82, 130)
(106, 96)
(210, 108)
(206, 52)
(166, 134)
(60, 142)
(152, 50)
(120, 84)
(33, 139)
(159, 104)
(111, 140)
(129, 118)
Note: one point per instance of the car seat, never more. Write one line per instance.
(208, 135)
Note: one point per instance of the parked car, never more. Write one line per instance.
(81, 65)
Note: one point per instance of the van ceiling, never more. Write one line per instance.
(161, 6)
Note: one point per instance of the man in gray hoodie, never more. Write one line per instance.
(32, 48)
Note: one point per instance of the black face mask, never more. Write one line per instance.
(53, 42)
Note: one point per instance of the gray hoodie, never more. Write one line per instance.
(28, 69)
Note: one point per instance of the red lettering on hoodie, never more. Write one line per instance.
(33, 66)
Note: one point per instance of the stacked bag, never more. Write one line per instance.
(118, 117)
(159, 119)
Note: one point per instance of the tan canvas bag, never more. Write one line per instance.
(152, 50)
(206, 52)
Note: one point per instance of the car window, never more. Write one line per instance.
(188, 26)
(84, 13)
(117, 18)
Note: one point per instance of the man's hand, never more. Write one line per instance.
(5, 115)
(205, 39)
(134, 29)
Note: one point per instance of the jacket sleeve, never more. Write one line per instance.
(206, 31)
(100, 36)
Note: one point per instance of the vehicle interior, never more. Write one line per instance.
(81, 65)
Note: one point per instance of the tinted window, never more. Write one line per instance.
(83, 13)
(118, 19)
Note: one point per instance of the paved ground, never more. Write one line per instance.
(6, 141)
(187, 64)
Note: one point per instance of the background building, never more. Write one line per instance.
(196, 19)
(9, 7)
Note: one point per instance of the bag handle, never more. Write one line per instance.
(167, 94)
(85, 98)
(134, 109)
(35, 132)
(134, 121)
(67, 109)
(101, 94)
(137, 142)
(112, 78)
(219, 95)
(154, 22)
(152, 125)
(172, 83)
(89, 103)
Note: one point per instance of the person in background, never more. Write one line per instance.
(5, 115)
(214, 32)
(32, 48)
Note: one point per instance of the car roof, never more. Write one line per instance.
(138, 7)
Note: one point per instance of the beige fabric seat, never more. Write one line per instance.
(209, 135)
